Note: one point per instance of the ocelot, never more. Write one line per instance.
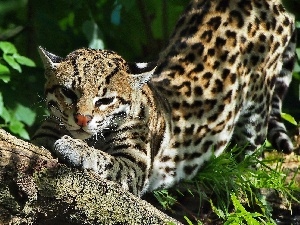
(220, 79)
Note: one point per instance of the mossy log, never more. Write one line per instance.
(36, 189)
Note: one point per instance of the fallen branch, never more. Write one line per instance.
(36, 189)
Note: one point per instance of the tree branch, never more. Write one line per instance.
(36, 189)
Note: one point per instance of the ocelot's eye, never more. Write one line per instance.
(69, 94)
(104, 101)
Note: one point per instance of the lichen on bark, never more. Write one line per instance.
(36, 189)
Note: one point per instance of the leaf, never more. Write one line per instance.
(68, 21)
(188, 220)
(4, 73)
(4, 69)
(1, 104)
(24, 60)
(116, 15)
(171, 223)
(288, 118)
(7, 47)
(23, 134)
(93, 34)
(243, 213)
(267, 144)
(96, 44)
(219, 212)
(11, 61)
(298, 51)
(5, 78)
(17, 127)
(164, 198)
(5, 115)
(24, 114)
(296, 67)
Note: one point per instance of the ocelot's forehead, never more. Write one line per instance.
(87, 69)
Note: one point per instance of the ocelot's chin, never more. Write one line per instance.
(80, 134)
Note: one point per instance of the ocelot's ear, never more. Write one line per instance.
(142, 72)
(50, 60)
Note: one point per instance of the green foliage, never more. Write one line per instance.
(135, 29)
(241, 215)
(289, 118)
(165, 198)
(13, 59)
(189, 222)
(14, 119)
(235, 183)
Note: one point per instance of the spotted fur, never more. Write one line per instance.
(221, 79)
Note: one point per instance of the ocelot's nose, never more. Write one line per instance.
(82, 120)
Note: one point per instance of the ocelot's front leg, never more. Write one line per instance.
(122, 170)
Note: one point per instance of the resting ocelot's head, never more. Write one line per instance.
(89, 90)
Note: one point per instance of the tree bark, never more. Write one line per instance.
(36, 189)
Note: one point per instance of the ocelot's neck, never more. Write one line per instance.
(156, 107)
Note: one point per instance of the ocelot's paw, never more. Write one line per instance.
(75, 152)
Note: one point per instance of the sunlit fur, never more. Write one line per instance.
(221, 79)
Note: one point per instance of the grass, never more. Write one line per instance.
(237, 193)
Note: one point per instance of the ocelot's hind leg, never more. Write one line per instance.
(277, 133)
(251, 128)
